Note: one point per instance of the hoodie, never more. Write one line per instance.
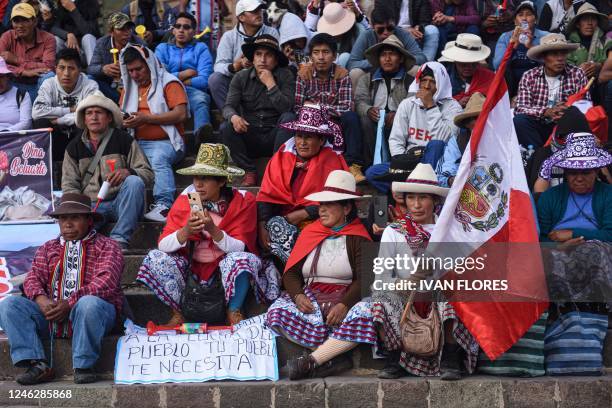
(53, 102)
(292, 27)
(155, 98)
(414, 125)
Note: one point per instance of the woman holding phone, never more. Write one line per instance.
(213, 225)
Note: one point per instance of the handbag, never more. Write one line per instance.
(573, 343)
(421, 336)
(202, 303)
(326, 301)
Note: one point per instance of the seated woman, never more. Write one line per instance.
(322, 279)
(16, 104)
(410, 235)
(578, 216)
(297, 169)
(223, 236)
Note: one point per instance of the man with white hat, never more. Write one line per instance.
(467, 74)
(543, 90)
(16, 103)
(106, 153)
(230, 58)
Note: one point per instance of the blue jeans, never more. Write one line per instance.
(25, 326)
(430, 42)
(531, 130)
(433, 153)
(448, 32)
(107, 89)
(353, 139)
(199, 101)
(126, 208)
(342, 59)
(162, 156)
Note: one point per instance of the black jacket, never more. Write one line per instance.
(420, 11)
(83, 20)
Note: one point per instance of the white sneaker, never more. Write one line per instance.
(158, 212)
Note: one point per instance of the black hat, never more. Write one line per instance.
(402, 165)
(572, 121)
(75, 203)
(264, 41)
(526, 4)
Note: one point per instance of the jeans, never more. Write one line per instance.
(353, 139)
(430, 42)
(369, 131)
(25, 326)
(88, 44)
(107, 89)
(199, 102)
(343, 59)
(433, 153)
(448, 32)
(126, 208)
(531, 130)
(162, 156)
(218, 85)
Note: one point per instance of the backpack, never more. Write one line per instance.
(19, 97)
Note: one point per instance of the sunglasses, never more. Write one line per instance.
(183, 26)
(382, 29)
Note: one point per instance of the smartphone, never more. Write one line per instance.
(195, 203)
(125, 115)
(380, 210)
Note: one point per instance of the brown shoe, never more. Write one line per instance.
(355, 170)
(38, 372)
(301, 367)
(234, 317)
(250, 179)
(176, 319)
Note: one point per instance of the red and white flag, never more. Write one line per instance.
(489, 203)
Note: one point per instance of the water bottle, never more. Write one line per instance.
(524, 38)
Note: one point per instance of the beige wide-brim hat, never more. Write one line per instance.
(551, 42)
(588, 9)
(467, 48)
(372, 53)
(336, 20)
(472, 109)
(423, 180)
(446, 47)
(212, 160)
(340, 185)
(98, 99)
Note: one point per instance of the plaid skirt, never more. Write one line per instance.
(310, 330)
(387, 308)
(165, 275)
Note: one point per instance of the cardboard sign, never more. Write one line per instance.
(249, 353)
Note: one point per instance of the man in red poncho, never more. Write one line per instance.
(221, 240)
(299, 168)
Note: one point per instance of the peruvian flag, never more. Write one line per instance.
(488, 213)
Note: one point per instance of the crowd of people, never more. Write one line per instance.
(335, 99)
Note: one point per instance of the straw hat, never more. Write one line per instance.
(340, 185)
(98, 99)
(212, 160)
(423, 179)
(472, 109)
(75, 203)
(588, 9)
(467, 48)
(336, 20)
(392, 41)
(551, 42)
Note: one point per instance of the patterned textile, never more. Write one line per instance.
(532, 96)
(334, 94)
(282, 237)
(581, 275)
(416, 236)
(102, 271)
(165, 275)
(310, 330)
(431, 366)
(387, 308)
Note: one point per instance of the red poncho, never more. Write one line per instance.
(276, 183)
(315, 233)
(238, 222)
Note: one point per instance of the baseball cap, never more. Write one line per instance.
(247, 5)
(23, 10)
(526, 4)
(119, 21)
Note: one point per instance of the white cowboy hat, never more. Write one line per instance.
(551, 42)
(467, 48)
(98, 99)
(446, 47)
(336, 20)
(340, 185)
(423, 179)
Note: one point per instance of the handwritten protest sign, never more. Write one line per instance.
(249, 353)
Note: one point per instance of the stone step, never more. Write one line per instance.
(364, 391)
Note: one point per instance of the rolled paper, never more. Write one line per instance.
(114, 51)
(140, 30)
(104, 190)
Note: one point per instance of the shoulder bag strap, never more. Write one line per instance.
(94, 163)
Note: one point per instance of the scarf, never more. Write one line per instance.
(276, 183)
(316, 233)
(68, 276)
(416, 236)
(443, 82)
(155, 97)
